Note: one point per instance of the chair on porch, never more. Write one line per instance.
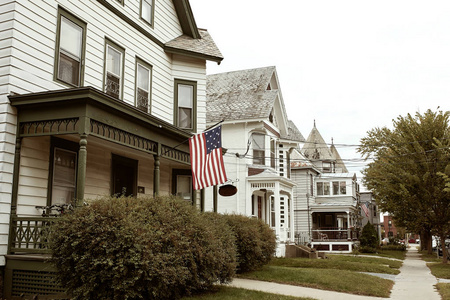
(323, 236)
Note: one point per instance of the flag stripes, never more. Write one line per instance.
(206, 159)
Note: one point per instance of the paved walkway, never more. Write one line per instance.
(413, 283)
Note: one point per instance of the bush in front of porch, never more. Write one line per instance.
(127, 248)
(368, 239)
(255, 242)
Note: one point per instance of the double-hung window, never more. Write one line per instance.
(185, 104)
(70, 49)
(143, 85)
(114, 61)
(339, 188)
(147, 11)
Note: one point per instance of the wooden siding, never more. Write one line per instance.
(33, 178)
(32, 53)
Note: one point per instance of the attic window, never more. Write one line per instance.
(268, 87)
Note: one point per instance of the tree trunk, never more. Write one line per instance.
(426, 241)
(442, 236)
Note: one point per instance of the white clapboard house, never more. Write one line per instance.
(326, 197)
(96, 98)
(259, 139)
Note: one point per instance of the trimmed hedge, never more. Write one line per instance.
(394, 247)
(127, 248)
(255, 242)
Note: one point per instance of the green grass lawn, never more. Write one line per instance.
(444, 290)
(343, 262)
(227, 293)
(334, 280)
(429, 257)
(389, 254)
(440, 270)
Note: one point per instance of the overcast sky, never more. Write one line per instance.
(349, 65)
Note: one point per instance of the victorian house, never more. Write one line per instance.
(326, 198)
(97, 98)
(259, 140)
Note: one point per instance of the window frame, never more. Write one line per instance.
(150, 69)
(178, 82)
(181, 172)
(109, 43)
(325, 186)
(256, 159)
(57, 143)
(152, 13)
(64, 13)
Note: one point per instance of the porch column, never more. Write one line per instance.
(16, 170)
(81, 171)
(156, 171)
(349, 237)
(292, 219)
(215, 191)
(15, 187)
(277, 209)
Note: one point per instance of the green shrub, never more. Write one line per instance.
(255, 242)
(367, 249)
(126, 248)
(398, 247)
(369, 236)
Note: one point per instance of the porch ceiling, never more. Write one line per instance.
(89, 111)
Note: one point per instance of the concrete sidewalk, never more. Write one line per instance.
(415, 280)
(413, 283)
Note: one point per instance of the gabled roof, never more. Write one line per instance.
(194, 42)
(339, 162)
(203, 47)
(240, 95)
(315, 147)
(293, 133)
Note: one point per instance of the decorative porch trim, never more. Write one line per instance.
(49, 127)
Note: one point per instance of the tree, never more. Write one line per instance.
(369, 237)
(406, 174)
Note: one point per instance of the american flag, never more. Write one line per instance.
(365, 207)
(206, 159)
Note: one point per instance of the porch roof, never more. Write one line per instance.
(272, 176)
(89, 111)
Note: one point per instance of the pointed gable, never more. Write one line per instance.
(315, 147)
(340, 166)
(246, 95)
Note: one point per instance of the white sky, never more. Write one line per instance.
(350, 65)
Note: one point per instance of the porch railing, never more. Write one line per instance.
(329, 233)
(30, 234)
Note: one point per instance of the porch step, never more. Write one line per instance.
(302, 251)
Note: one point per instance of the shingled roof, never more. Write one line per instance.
(340, 165)
(293, 133)
(203, 47)
(315, 147)
(240, 95)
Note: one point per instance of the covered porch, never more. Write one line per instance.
(334, 230)
(271, 201)
(78, 144)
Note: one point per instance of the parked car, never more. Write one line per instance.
(412, 241)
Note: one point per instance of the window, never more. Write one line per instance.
(63, 171)
(272, 211)
(182, 184)
(339, 188)
(70, 49)
(147, 11)
(323, 188)
(143, 85)
(185, 104)
(258, 149)
(114, 60)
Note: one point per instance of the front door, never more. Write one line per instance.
(124, 176)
